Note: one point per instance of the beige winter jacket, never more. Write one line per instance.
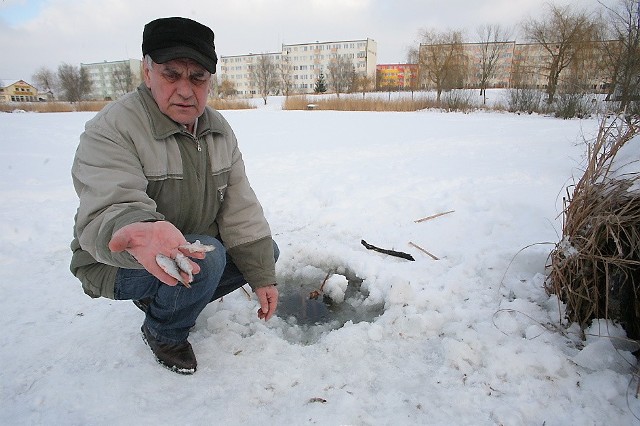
(134, 163)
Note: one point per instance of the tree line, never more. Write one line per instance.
(574, 44)
(72, 83)
(575, 50)
(571, 52)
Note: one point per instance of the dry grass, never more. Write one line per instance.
(356, 104)
(219, 104)
(222, 104)
(52, 106)
(90, 105)
(595, 268)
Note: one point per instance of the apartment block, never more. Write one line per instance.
(110, 80)
(503, 69)
(304, 62)
(237, 70)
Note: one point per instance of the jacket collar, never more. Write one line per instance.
(162, 126)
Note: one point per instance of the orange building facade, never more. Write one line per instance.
(397, 76)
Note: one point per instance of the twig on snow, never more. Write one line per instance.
(424, 219)
(400, 254)
(423, 250)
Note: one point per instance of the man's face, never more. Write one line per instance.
(180, 88)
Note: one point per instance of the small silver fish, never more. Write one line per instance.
(184, 265)
(173, 268)
(197, 247)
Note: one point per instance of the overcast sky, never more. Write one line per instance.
(36, 33)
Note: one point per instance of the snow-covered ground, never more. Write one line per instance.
(468, 339)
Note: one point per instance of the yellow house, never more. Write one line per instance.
(20, 91)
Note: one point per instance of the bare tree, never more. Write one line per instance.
(123, 78)
(623, 57)
(413, 54)
(45, 80)
(561, 33)
(214, 87)
(493, 40)
(442, 60)
(74, 82)
(341, 73)
(363, 83)
(383, 83)
(264, 75)
(286, 75)
(228, 88)
(413, 57)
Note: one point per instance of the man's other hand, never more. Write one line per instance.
(268, 298)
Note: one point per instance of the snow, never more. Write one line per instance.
(626, 164)
(469, 339)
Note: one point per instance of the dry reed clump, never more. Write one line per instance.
(52, 106)
(595, 268)
(95, 106)
(90, 105)
(36, 107)
(357, 104)
(222, 104)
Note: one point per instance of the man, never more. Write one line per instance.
(159, 169)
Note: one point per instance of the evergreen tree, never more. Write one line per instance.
(321, 85)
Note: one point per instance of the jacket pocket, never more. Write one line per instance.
(221, 191)
(220, 181)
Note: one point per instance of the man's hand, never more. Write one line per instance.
(144, 240)
(268, 297)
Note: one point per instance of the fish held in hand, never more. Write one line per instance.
(173, 267)
(184, 265)
(197, 247)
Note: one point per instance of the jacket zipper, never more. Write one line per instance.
(196, 140)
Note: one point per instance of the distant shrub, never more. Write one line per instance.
(296, 103)
(36, 106)
(90, 105)
(98, 105)
(350, 103)
(573, 105)
(222, 104)
(459, 100)
(524, 100)
(53, 106)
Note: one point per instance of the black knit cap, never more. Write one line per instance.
(165, 39)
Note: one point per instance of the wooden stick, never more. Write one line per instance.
(424, 219)
(316, 293)
(389, 252)
(246, 292)
(423, 250)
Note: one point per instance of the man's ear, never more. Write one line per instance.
(145, 73)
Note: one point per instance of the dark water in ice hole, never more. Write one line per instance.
(298, 308)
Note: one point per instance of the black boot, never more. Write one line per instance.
(176, 357)
(143, 304)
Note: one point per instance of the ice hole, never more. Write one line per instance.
(309, 318)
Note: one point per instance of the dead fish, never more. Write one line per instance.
(173, 268)
(197, 247)
(184, 265)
